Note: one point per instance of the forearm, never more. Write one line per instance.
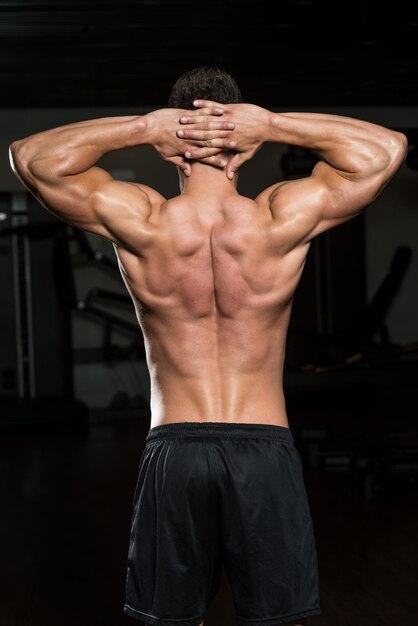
(345, 143)
(74, 148)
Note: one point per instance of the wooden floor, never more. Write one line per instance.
(66, 498)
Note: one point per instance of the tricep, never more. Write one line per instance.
(329, 197)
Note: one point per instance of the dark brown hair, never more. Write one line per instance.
(206, 83)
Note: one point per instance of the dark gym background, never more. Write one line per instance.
(74, 388)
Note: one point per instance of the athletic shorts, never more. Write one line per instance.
(213, 493)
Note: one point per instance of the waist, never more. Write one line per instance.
(219, 429)
(200, 401)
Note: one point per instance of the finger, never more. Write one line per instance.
(204, 111)
(205, 123)
(183, 164)
(214, 160)
(208, 104)
(234, 164)
(209, 110)
(202, 152)
(202, 135)
(196, 151)
(223, 143)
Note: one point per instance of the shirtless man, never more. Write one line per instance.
(212, 276)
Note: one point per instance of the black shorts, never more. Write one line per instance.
(215, 492)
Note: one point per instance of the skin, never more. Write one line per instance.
(211, 273)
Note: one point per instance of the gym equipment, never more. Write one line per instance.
(385, 459)
(36, 376)
(88, 307)
(38, 300)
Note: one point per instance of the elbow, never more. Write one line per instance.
(18, 154)
(394, 151)
(12, 152)
(13, 156)
(23, 160)
(15, 147)
(20, 163)
(404, 146)
(398, 149)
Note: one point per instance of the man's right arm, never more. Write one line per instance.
(358, 160)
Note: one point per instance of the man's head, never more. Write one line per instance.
(205, 83)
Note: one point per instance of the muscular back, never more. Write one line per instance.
(212, 280)
(212, 290)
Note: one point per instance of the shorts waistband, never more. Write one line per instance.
(219, 429)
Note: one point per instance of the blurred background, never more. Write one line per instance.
(74, 385)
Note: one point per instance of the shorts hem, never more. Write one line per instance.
(280, 619)
(153, 619)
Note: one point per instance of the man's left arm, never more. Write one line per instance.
(58, 168)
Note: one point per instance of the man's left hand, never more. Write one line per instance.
(162, 126)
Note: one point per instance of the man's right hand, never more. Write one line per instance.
(251, 129)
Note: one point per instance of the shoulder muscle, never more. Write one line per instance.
(306, 207)
(93, 201)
